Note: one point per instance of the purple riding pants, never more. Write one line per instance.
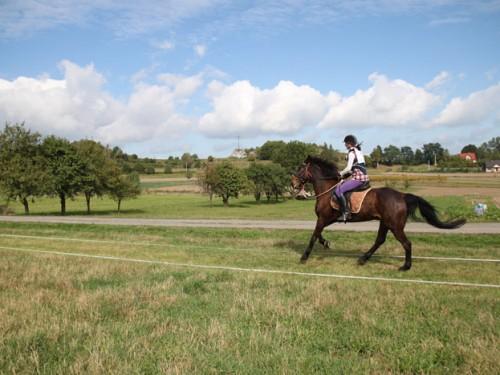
(347, 186)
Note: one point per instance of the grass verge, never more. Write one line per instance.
(78, 315)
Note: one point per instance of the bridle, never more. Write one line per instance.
(307, 175)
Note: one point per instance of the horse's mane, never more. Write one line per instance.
(327, 167)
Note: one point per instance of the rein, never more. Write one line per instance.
(323, 193)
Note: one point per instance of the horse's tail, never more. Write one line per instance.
(429, 212)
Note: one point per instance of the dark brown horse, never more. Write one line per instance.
(387, 205)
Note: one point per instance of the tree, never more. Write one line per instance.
(377, 155)
(258, 175)
(269, 149)
(230, 181)
(22, 173)
(490, 149)
(98, 164)
(407, 155)
(208, 179)
(329, 153)
(469, 148)
(278, 182)
(187, 162)
(123, 187)
(293, 154)
(392, 155)
(65, 169)
(419, 157)
(433, 153)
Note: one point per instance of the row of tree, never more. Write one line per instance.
(433, 153)
(32, 167)
(226, 180)
(291, 154)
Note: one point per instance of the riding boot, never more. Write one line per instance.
(344, 207)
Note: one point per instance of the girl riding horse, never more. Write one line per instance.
(355, 168)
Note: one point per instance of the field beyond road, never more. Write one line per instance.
(149, 307)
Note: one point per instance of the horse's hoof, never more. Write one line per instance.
(326, 244)
(405, 267)
(303, 260)
(362, 261)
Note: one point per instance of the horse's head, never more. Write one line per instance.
(311, 169)
(302, 176)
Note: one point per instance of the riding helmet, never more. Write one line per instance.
(351, 139)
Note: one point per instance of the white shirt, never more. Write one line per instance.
(352, 155)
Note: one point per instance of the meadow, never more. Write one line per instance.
(74, 314)
(198, 206)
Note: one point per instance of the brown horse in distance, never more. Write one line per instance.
(387, 205)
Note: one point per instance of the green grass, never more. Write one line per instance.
(63, 315)
(160, 184)
(197, 206)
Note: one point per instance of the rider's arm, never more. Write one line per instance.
(350, 162)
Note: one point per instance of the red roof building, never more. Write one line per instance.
(469, 156)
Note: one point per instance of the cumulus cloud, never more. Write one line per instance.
(78, 106)
(386, 103)
(479, 107)
(74, 106)
(246, 110)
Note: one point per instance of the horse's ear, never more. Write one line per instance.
(308, 159)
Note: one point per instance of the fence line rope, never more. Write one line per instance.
(254, 270)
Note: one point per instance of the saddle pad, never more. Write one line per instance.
(356, 201)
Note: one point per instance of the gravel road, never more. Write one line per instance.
(372, 226)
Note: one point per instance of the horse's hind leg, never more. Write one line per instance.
(324, 242)
(381, 236)
(401, 237)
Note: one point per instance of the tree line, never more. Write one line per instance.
(290, 154)
(32, 167)
(434, 153)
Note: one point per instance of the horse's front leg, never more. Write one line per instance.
(316, 234)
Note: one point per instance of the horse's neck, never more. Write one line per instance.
(320, 185)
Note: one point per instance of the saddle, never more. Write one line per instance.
(354, 198)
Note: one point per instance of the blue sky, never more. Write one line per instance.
(160, 78)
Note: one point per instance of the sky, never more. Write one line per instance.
(160, 78)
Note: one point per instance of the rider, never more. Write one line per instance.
(356, 169)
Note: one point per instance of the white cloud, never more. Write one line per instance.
(150, 113)
(182, 86)
(243, 109)
(164, 45)
(200, 50)
(476, 109)
(385, 103)
(438, 80)
(74, 106)
(78, 106)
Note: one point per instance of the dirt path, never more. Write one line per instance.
(473, 228)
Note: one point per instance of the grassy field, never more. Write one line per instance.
(70, 314)
(197, 206)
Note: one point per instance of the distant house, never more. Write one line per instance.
(469, 156)
(492, 166)
(238, 153)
